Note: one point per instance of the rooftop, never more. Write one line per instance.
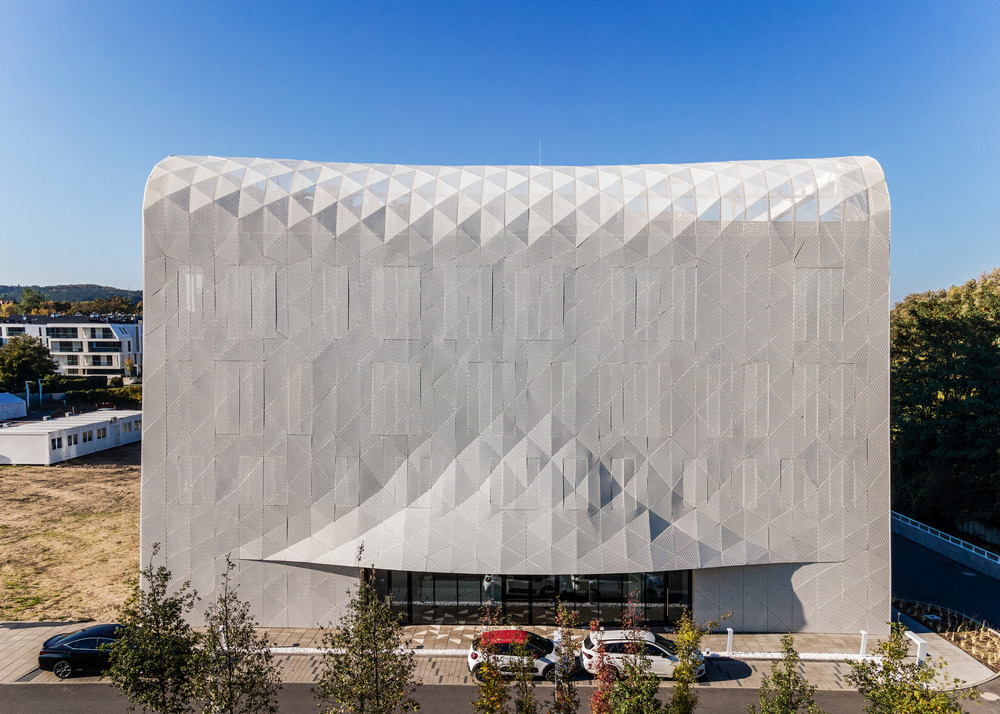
(119, 319)
(69, 422)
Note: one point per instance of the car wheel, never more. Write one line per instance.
(550, 673)
(477, 672)
(62, 669)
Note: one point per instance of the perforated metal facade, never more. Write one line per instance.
(522, 370)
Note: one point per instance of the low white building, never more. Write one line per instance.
(84, 346)
(11, 407)
(54, 440)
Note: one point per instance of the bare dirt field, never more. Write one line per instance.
(69, 536)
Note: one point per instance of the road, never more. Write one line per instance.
(295, 698)
(923, 575)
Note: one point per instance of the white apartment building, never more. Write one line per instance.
(84, 346)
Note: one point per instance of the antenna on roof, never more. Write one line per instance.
(539, 152)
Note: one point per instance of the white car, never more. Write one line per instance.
(542, 651)
(658, 649)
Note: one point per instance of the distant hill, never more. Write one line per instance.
(72, 293)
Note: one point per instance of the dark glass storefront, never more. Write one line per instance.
(447, 598)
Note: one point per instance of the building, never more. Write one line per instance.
(523, 382)
(50, 441)
(11, 407)
(85, 346)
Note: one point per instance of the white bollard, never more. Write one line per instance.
(864, 643)
(729, 641)
(921, 646)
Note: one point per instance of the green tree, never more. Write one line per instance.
(635, 690)
(565, 698)
(368, 664)
(785, 690)
(152, 663)
(236, 672)
(24, 359)
(687, 643)
(524, 678)
(892, 684)
(945, 404)
(30, 301)
(492, 693)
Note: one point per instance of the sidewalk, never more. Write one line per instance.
(441, 655)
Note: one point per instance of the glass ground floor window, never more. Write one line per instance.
(449, 598)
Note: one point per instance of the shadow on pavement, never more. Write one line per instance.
(725, 670)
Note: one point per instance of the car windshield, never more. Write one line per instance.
(541, 644)
(71, 636)
(664, 642)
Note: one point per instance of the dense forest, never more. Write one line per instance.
(72, 293)
(945, 404)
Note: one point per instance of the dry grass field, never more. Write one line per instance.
(69, 536)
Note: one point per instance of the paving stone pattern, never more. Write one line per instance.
(19, 644)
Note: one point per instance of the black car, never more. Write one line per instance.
(80, 650)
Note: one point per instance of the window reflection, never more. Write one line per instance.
(448, 598)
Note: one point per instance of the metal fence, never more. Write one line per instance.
(964, 545)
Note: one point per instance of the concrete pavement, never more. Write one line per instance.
(436, 663)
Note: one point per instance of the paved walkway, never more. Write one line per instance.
(436, 663)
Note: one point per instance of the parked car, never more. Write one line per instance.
(661, 652)
(78, 651)
(503, 643)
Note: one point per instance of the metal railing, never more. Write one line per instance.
(965, 545)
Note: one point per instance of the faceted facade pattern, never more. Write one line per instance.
(522, 370)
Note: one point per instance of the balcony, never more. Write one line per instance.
(104, 347)
(63, 347)
(62, 333)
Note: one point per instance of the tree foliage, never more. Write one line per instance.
(368, 665)
(24, 359)
(635, 690)
(524, 679)
(607, 676)
(785, 690)
(492, 693)
(892, 684)
(687, 643)
(72, 293)
(565, 698)
(945, 404)
(30, 301)
(236, 670)
(152, 661)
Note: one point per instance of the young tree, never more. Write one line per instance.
(24, 359)
(565, 698)
(492, 695)
(369, 666)
(236, 672)
(635, 691)
(152, 662)
(687, 643)
(607, 677)
(785, 691)
(524, 678)
(892, 684)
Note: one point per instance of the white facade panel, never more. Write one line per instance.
(521, 370)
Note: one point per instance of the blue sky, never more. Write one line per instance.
(92, 95)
